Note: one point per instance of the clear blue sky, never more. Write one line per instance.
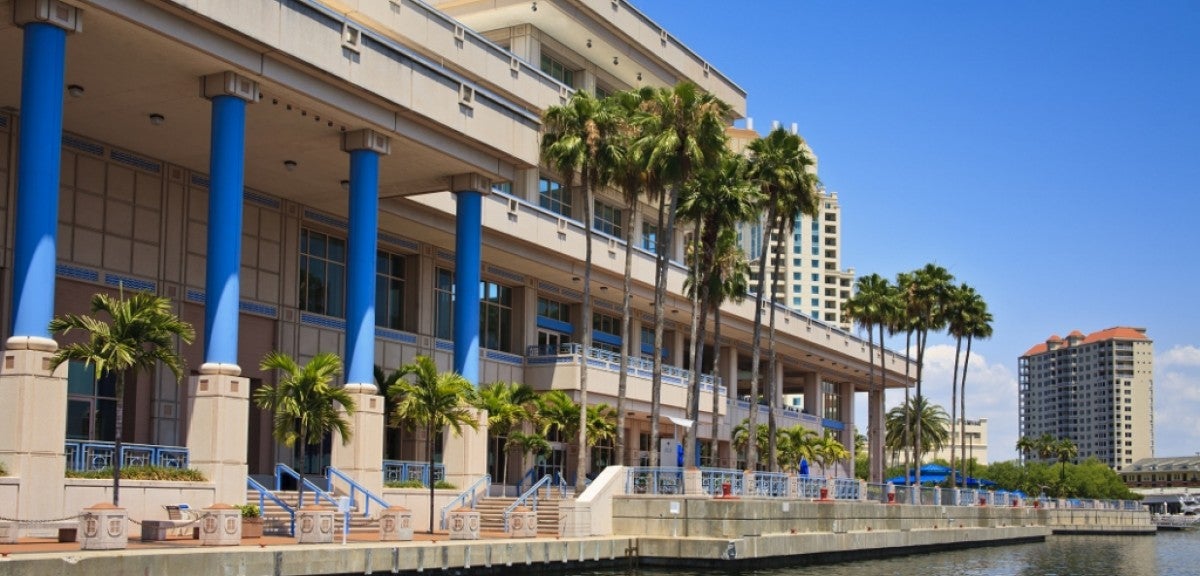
(1046, 153)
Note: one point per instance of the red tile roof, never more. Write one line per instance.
(1114, 333)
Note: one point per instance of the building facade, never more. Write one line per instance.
(1097, 390)
(360, 178)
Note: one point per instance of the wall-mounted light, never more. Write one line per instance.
(75, 91)
(534, 7)
(639, 76)
(157, 119)
(574, 278)
(616, 60)
(604, 288)
(345, 185)
(289, 165)
(589, 43)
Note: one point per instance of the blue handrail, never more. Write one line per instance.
(318, 494)
(368, 497)
(264, 495)
(528, 476)
(472, 493)
(531, 493)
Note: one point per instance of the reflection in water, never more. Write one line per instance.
(1167, 554)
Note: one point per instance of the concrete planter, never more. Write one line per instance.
(314, 525)
(221, 525)
(522, 523)
(395, 524)
(103, 527)
(252, 527)
(464, 524)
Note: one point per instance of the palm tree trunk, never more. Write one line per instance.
(716, 393)
(756, 341)
(626, 337)
(429, 471)
(962, 413)
(660, 267)
(300, 472)
(922, 335)
(775, 386)
(874, 406)
(693, 393)
(954, 405)
(581, 462)
(877, 453)
(119, 423)
(907, 404)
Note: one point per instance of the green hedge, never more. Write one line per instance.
(143, 473)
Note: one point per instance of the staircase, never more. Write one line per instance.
(491, 513)
(276, 521)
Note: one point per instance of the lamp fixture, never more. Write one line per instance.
(574, 278)
(534, 7)
(639, 76)
(289, 165)
(75, 91)
(589, 43)
(345, 185)
(604, 288)
(157, 119)
(616, 60)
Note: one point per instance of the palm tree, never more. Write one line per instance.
(141, 333)
(869, 308)
(777, 165)
(1065, 450)
(1044, 446)
(716, 200)
(729, 280)
(505, 403)
(304, 403)
(928, 420)
(384, 381)
(1026, 446)
(931, 285)
(958, 311)
(796, 444)
(526, 444)
(683, 129)
(434, 400)
(741, 436)
(576, 139)
(629, 174)
(979, 326)
(829, 451)
(903, 318)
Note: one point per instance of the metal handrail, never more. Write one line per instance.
(546, 481)
(471, 492)
(318, 493)
(368, 496)
(264, 495)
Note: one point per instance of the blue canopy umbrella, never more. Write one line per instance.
(804, 466)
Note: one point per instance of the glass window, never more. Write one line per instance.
(443, 304)
(554, 310)
(607, 332)
(608, 220)
(91, 404)
(833, 401)
(502, 187)
(389, 290)
(649, 236)
(322, 273)
(495, 311)
(554, 197)
(558, 70)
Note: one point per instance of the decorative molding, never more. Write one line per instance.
(130, 282)
(77, 143)
(320, 218)
(77, 273)
(134, 160)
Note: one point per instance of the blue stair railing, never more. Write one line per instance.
(282, 470)
(471, 494)
(530, 497)
(355, 489)
(529, 476)
(264, 495)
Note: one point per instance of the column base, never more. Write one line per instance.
(465, 457)
(362, 459)
(217, 432)
(33, 422)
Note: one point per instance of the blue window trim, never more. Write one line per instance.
(555, 325)
(606, 338)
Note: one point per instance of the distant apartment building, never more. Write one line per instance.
(976, 443)
(1097, 390)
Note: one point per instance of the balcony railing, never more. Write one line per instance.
(405, 470)
(641, 367)
(87, 455)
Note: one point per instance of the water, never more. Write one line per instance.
(1167, 554)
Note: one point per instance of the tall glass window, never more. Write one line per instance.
(832, 401)
(608, 220)
(554, 197)
(649, 236)
(606, 332)
(389, 290)
(322, 273)
(495, 311)
(91, 404)
(558, 70)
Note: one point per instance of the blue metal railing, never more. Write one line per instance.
(647, 480)
(713, 479)
(771, 484)
(403, 470)
(355, 487)
(264, 495)
(810, 486)
(471, 494)
(529, 496)
(636, 366)
(282, 470)
(88, 455)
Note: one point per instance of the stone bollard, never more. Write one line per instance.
(522, 523)
(464, 524)
(221, 526)
(395, 524)
(937, 496)
(103, 528)
(891, 493)
(314, 525)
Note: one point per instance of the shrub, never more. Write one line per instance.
(444, 485)
(249, 510)
(143, 473)
(404, 484)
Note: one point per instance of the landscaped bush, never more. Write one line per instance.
(249, 510)
(441, 484)
(143, 473)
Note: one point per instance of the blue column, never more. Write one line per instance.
(39, 159)
(360, 297)
(468, 247)
(225, 188)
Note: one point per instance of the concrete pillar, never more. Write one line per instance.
(361, 457)
(814, 400)
(33, 414)
(217, 432)
(468, 247)
(465, 455)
